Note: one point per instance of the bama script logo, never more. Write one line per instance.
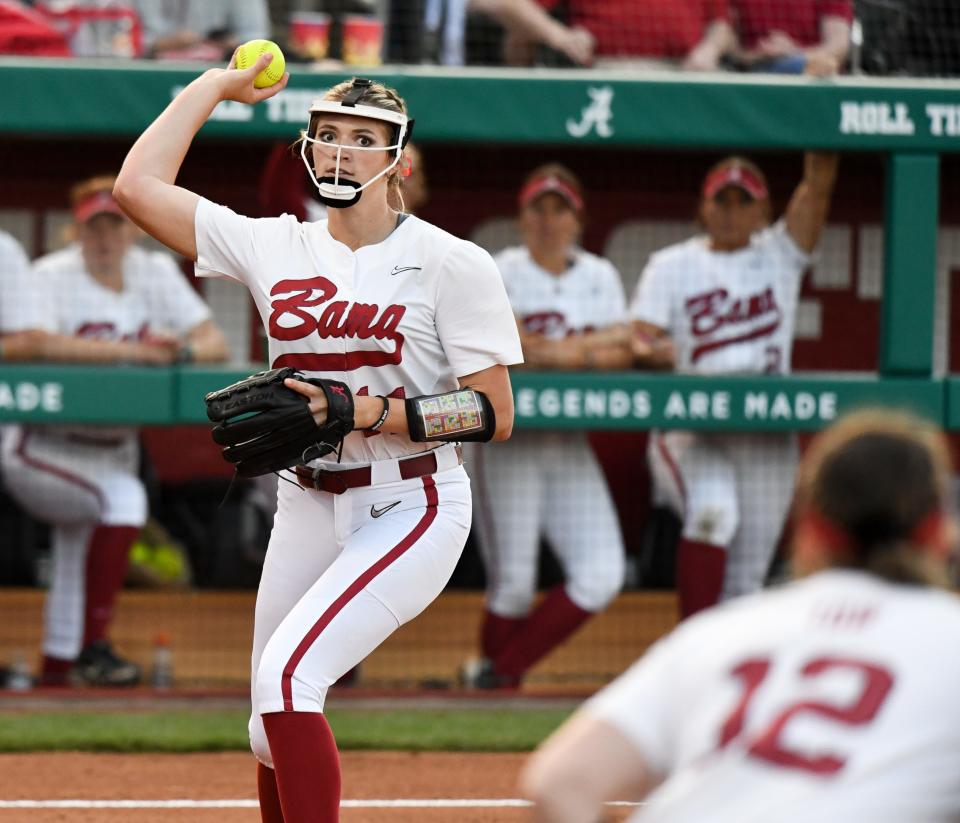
(297, 314)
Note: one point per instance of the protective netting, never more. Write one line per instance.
(556, 490)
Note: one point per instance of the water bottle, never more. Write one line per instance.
(162, 674)
(18, 675)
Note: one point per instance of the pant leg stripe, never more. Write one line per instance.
(56, 471)
(286, 685)
(672, 466)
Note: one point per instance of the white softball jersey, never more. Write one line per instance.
(832, 699)
(586, 297)
(156, 299)
(404, 317)
(401, 318)
(21, 306)
(727, 312)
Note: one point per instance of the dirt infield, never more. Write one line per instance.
(367, 776)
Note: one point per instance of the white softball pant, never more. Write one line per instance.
(342, 573)
(730, 490)
(74, 485)
(551, 484)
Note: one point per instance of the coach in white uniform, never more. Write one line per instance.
(99, 300)
(724, 303)
(571, 312)
(832, 699)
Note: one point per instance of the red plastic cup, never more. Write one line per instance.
(310, 33)
(362, 40)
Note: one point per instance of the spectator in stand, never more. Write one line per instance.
(103, 300)
(778, 36)
(200, 29)
(441, 34)
(25, 32)
(525, 19)
(692, 34)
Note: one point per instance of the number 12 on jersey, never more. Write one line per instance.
(768, 746)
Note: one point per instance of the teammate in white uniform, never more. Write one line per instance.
(830, 699)
(571, 312)
(724, 303)
(393, 307)
(113, 302)
(21, 314)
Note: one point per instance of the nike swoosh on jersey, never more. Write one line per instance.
(400, 269)
(375, 512)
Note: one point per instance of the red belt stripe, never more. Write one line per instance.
(430, 488)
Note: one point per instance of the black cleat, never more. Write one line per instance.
(98, 665)
(479, 673)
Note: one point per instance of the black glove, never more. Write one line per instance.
(265, 426)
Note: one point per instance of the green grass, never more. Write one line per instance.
(194, 731)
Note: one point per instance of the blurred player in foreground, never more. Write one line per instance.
(104, 300)
(832, 698)
(571, 312)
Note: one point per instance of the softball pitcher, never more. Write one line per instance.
(724, 303)
(411, 320)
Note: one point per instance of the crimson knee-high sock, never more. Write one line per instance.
(496, 633)
(306, 765)
(270, 811)
(107, 559)
(552, 622)
(700, 571)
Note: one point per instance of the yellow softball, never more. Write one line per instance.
(248, 53)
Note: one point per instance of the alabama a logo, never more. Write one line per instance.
(596, 115)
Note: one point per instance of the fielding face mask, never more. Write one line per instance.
(339, 192)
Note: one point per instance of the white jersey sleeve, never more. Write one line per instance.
(231, 245)
(473, 316)
(21, 293)
(178, 307)
(653, 298)
(628, 704)
(613, 308)
(794, 260)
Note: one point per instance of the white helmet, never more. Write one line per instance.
(340, 192)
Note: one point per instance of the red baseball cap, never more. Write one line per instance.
(735, 175)
(99, 202)
(546, 184)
